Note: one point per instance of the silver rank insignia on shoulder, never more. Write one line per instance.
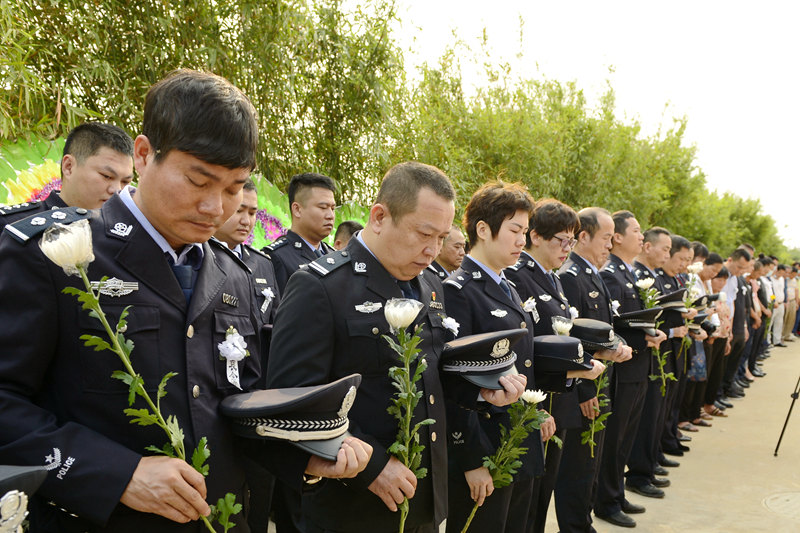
(38, 221)
(476, 275)
(229, 299)
(499, 313)
(330, 260)
(360, 267)
(298, 245)
(622, 267)
(460, 278)
(588, 270)
(532, 264)
(594, 294)
(115, 287)
(629, 285)
(121, 229)
(368, 307)
(545, 297)
(58, 215)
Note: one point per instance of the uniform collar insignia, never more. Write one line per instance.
(360, 267)
(368, 307)
(121, 229)
(532, 264)
(115, 287)
(298, 245)
(476, 274)
(588, 270)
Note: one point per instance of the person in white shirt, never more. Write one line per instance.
(778, 286)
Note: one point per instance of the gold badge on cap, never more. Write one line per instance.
(500, 348)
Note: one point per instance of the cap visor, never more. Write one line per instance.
(327, 449)
(490, 380)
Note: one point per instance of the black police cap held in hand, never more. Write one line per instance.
(595, 334)
(312, 418)
(673, 301)
(484, 358)
(644, 320)
(559, 353)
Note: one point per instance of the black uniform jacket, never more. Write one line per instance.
(621, 284)
(288, 254)
(12, 213)
(437, 269)
(587, 293)
(479, 305)
(669, 319)
(531, 283)
(331, 324)
(59, 405)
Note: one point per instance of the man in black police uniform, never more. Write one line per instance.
(586, 291)
(640, 477)
(59, 406)
(629, 387)
(451, 255)
(97, 163)
(234, 232)
(312, 208)
(330, 324)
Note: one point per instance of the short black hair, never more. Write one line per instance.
(588, 219)
(740, 253)
(493, 203)
(723, 273)
(620, 219)
(678, 244)
(550, 216)
(654, 233)
(249, 185)
(88, 138)
(700, 250)
(348, 227)
(308, 180)
(781, 266)
(203, 115)
(713, 259)
(400, 186)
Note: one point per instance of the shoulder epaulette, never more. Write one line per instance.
(574, 269)
(458, 279)
(219, 245)
(516, 266)
(330, 262)
(259, 252)
(277, 244)
(18, 208)
(28, 228)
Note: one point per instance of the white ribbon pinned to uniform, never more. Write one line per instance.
(233, 349)
(268, 297)
(232, 371)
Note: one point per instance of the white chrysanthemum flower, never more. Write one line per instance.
(451, 324)
(724, 297)
(645, 283)
(533, 396)
(529, 305)
(614, 306)
(68, 245)
(695, 268)
(401, 312)
(233, 348)
(561, 325)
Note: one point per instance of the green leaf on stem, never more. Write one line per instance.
(98, 343)
(200, 455)
(165, 450)
(143, 417)
(162, 387)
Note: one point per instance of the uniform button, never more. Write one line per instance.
(528, 363)
(487, 415)
(190, 331)
(523, 324)
(196, 391)
(562, 306)
(433, 436)
(430, 399)
(81, 211)
(375, 331)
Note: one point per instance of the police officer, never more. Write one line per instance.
(629, 385)
(549, 240)
(97, 163)
(586, 291)
(330, 324)
(312, 205)
(453, 250)
(59, 406)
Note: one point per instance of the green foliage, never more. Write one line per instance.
(598, 423)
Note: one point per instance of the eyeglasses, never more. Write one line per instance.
(566, 243)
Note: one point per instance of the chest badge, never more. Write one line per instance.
(368, 307)
(499, 313)
(594, 294)
(115, 287)
(545, 297)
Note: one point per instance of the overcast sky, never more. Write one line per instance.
(729, 67)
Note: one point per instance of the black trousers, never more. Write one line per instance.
(758, 340)
(542, 490)
(732, 361)
(675, 395)
(627, 400)
(715, 368)
(646, 446)
(260, 483)
(491, 516)
(577, 480)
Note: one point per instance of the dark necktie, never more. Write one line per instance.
(318, 251)
(506, 288)
(552, 279)
(408, 290)
(185, 274)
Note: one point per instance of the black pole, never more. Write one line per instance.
(795, 394)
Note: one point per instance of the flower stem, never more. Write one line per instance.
(470, 517)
